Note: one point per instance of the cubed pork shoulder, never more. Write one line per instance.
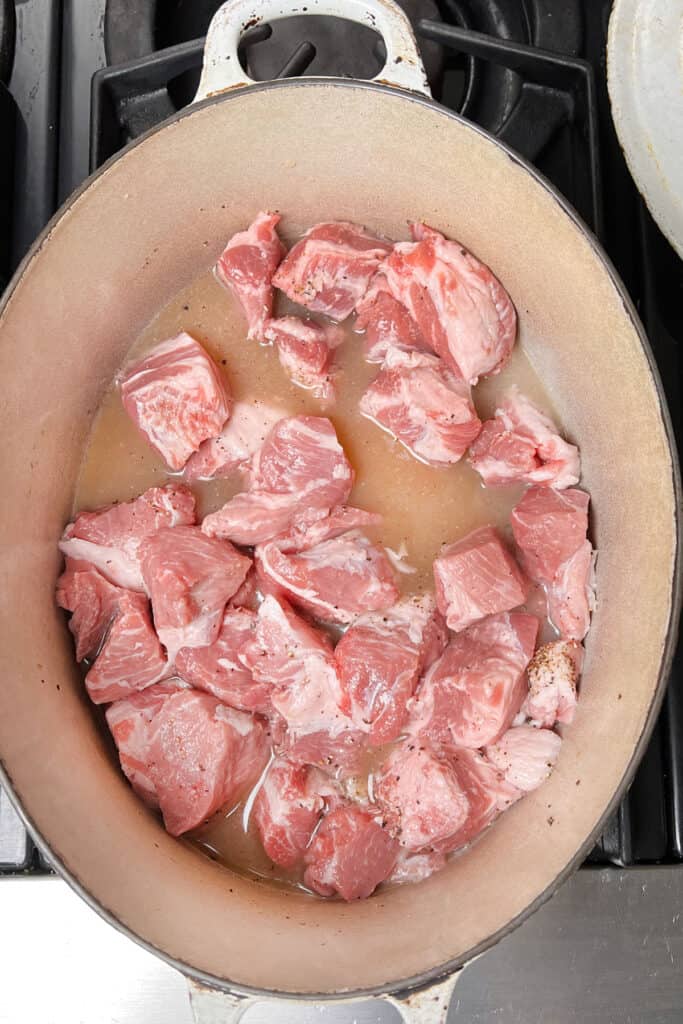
(243, 435)
(522, 444)
(246, 268)
(553, 674)
(477, 576)
(525, 755)
(177, 398)
(328, 271)
(305, 351)
(351, 854)
(421, 403)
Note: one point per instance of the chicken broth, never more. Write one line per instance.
(422, 507)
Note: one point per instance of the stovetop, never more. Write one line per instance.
(87, 76)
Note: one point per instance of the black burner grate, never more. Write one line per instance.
(530, 71)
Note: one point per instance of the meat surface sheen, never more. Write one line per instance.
(246, 268)
(329, 269)
(177, 398)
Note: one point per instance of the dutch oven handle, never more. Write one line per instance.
(222, 70)
(423, 1006)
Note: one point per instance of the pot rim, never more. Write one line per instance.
(427, 978)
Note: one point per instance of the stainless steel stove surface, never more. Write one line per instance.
(86, 76)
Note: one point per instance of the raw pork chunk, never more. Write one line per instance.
(190, 578)
(550, 529)
(218, 670)
(176, 397)
(523, 444)
(131, 657)
(415, 867)
(461, 309)
(380, 659)
(246, 268)
(287, 809)
(335, 580)
(424, 406)
(242, 436)
(130, 721)
(305, 351)
(553, 673)
(297, 661)
(191, 754)
(472, 693)
(475, 577)
(387, 323)
(330, 268)
(301, 472)
(351, 854)
(110, 538)
(488, 793)
(93, 602)
(525, 755)
(340, 520)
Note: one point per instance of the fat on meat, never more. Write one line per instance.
(550, 527)
(522, 444)
(203, 756)
(475, 577)
(471, 694)
(386, 322)
(300, 472)
(176, 397)
(131, 657)
(525, 755)
(415, 867)
(420, 402)
(288, 807)
(339, 520)
(329, 269)
(553, 674)
(93, 602)
(334, 580)
(297, 661)
(218, 670)
(130, 723)
(305, 349)
(351, 854)
(242, 436)
(461, 309)
(190, 578)
(246, 268)
(110, 538)
(488, 793)
(380, 659)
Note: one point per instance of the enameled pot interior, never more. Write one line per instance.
(132, 238)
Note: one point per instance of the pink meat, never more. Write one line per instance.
(351, 854)
(417, 400)
(247, 595)
(242, 436)
(335, 580)
(301, 470)
(330, 268)
(177, 398)
(190, 577)
(523, 444)
(305, 351)
(488, 793)
(553, 673)
(110, 537)
(218, 670)
(461, 309)
(202, 756)
(550, 529)
(130, 721)
(287, 809)
(472, 693)
(525, 755)
(246, 268)
(380, 659)
(386, 322)
(297, 661)
(475, 577)
(420, 796)
(131, 657)
(93, 602)
(340, 520)
(415, 867)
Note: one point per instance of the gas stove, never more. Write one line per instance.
(87, 76)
